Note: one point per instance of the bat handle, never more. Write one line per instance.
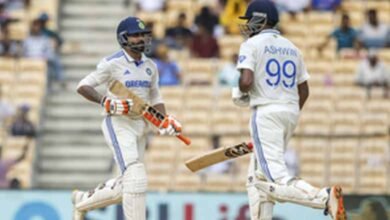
(185, 139)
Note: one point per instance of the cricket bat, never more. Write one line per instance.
(218, 155)
(140, 107)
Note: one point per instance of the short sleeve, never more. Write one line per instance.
(246, 57)
(303, 75)
(101, 75)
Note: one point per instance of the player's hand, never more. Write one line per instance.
(239, 98)
(117, 106)
(170, 126)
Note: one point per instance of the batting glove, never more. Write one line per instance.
(117, 106)
(239, 98)
(170, 126)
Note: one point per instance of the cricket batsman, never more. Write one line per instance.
(273, 82)
(124, 132)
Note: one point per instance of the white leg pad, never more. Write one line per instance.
(105, 194)
(295, 191)
(134, 189)
(261, 207)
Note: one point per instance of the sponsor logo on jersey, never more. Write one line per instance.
(148, 71)
(127, 72)
(137, 84)
(241, 58)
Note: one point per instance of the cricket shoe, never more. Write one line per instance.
(335, 204)
(76, 197)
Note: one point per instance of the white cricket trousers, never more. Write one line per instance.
(270, 133)
(126, 138)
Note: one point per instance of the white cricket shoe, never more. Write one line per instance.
(76, 197)
(335, 204)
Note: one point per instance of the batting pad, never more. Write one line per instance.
(296, 191)
(105, 194)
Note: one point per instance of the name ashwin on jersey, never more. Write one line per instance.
(283, 51)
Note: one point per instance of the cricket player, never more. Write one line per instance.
(273, 82)
(125, 133)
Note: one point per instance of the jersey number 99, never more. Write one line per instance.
(280, 73)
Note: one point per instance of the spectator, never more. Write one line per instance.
(204, 45)
(372, 72)
(22, 126)
(179, 36)
(345, 35)
(374, 33)
(229, 17)
(37, 45)
(17, 4)
(54, 64)
(325, 5)
(169, 74)
(6, 165)
(292, 7)
(8, 47)
(6, 111)
(44, 19)
(151, 5)
(206, 19)
(228, 76)
(3, 13)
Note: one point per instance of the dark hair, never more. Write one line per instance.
(182, 15)
(345, 16)
(14, 184)
(371, 11)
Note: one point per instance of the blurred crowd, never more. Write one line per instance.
(13, 123)
(201, 38)
(41, 42)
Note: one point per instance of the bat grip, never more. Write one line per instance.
(185, 139)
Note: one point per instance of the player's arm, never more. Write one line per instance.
(246, 66)
(326, 42)
(246, 80)
(303, 92)
(86, 88)
(90, 93)
(87, 85)
(170, 125)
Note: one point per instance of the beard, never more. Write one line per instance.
(138, 47)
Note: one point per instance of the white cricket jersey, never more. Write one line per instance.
(139, 76)
(278, 69)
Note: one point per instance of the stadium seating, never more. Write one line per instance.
(336, 127)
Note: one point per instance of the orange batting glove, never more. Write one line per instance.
(170, 126)
(116, 106)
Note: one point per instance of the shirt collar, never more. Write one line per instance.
(270, 31)
(130, 59)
